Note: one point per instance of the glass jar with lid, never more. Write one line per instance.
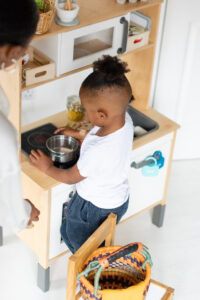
(75, 111)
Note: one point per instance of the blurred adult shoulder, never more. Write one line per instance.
(8, 135)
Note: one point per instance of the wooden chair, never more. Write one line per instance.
(105, 232)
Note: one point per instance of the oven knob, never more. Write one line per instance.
(160, 158)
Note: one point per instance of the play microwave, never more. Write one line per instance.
(80, 47)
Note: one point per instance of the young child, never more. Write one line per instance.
(101, 173)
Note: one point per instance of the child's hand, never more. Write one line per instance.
(65, 131)
(34, 217)
(40, 160)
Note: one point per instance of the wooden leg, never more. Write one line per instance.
(43, 278)
(104, 233)
(1, 236)
(109, 241)
(71, 279)
(158, 215)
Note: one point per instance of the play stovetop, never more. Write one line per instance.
(35, 139)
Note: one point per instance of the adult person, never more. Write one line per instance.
(18, 22)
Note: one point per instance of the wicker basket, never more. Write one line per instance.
(115, 273)
(46, 18)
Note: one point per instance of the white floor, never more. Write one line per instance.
(174, 248)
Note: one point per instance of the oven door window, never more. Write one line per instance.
(93, 43)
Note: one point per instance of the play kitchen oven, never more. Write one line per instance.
(80, 47)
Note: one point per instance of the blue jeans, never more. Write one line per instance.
(83, 218)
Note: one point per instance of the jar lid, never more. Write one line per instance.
(76, 107)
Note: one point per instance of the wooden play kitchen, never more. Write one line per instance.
(102, 30)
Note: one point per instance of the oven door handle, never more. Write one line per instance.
(125, 36)
(143, 163)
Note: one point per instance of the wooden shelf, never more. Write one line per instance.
(24, 88)
(94, 11)
(45, 182)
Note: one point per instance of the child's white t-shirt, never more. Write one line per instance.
(105, 162)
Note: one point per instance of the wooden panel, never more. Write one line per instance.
(141, 63)
(37, 237)
(141, 66)
(153, 12)
(94, 11)
(11, 84)
(169, 170)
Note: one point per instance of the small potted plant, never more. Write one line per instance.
(47, 11)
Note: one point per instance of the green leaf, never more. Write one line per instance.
(40, 4)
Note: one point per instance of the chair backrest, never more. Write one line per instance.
(105, 232)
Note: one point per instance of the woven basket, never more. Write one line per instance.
(46, 18)
(123, 276)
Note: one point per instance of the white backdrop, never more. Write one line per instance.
(177, 92)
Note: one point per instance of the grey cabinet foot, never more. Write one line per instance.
(1, 236)
(43, 278)
(158, 215)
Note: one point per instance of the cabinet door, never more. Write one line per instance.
(145, 190)
(59, 195)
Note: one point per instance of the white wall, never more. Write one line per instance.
(49, 99)
(157, 53)
(177, 92)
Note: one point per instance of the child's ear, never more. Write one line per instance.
(101, 115)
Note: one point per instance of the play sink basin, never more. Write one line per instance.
(143, 124)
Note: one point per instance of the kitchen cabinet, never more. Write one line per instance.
(49, 195)
(146, 191)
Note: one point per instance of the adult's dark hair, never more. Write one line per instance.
(107, 72)
(18, 21)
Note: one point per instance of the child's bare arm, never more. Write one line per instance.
(45, 164)
(77, 134)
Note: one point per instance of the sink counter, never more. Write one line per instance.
(45, 182)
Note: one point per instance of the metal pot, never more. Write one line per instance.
(58, 144)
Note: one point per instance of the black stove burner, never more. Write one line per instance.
(35, 139)
(38, 139)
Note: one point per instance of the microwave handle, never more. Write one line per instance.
(125, 36)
